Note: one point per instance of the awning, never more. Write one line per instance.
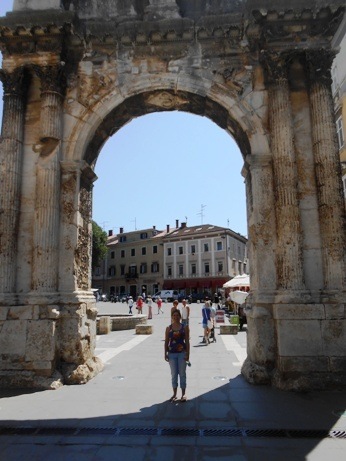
(167, 285)
(238, 281)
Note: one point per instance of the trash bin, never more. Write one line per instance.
(234, 320)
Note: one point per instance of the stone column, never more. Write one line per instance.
(262, 242)
(289, 247)
(11, 151)
(328, 170)
(47, 205)
(262, 224)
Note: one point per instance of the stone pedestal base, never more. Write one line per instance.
(229, 329)
(144, 329)
(104, 325)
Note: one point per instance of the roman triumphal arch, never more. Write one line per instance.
(74, 72)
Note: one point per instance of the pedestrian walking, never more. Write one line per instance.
(130, 304)
(139, 304)
(177, 353)
(149, 301)
(206, 322)
(159, 305)
(185, 312)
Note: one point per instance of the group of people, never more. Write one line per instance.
(140, 303)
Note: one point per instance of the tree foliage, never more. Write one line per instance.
(99, 250)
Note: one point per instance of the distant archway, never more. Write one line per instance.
(263, 76)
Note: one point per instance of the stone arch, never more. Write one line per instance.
(253, 72)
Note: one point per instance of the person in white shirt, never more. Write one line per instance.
(185, 313)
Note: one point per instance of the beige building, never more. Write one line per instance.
(339, 95)
(198, 259)
(133, 264)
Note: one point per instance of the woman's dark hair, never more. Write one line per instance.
(176, 311)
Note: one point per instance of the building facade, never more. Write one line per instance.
(133, 263)
(191, 260)
(200, 259)
(339, 95)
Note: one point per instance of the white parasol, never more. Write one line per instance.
(238, 281)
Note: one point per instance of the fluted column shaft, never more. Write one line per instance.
(47, 204)
(11, 150)
(328, 171)
(289, 248)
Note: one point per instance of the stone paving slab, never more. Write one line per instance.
(123, 413)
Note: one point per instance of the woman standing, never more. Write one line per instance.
(150, 307)
(177, 353)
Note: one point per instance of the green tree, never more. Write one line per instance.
(99, 245)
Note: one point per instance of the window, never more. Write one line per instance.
(206, 268)
(111, 271)
(122, 269)
(112, 254)
(122, 238)
(219, 266)
(144, 251)
(240, 268)
(122, 253)
(144, 235)
(181, 269)
(193, 249)
(133, 251)
(180, 250)
(143, 268)
(154, 249)
(193, 269)
(206, 247)
(133, 270)
(155, 267)
(218, 246)
(169, 251)
(98, 271)
(169, 271)
(340, 132)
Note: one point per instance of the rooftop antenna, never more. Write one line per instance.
(135, 221)
(186, 219)
(228, 223)
(201, 213)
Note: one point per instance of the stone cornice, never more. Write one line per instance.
(37, 31)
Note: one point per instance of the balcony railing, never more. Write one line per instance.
(131, 275)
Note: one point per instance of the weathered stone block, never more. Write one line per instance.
(144, 329)
(307, 338)
(40, 344)
(104, 325)
(13, 337)
(229, 329)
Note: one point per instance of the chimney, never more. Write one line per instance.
(121, 230)
(154, 227)
(183, 225)
(167, 228)
(177, 223)
(110, 233)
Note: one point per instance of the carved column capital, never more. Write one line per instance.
(275, 67)
(52, 78)
(15, 83)
(318, 65)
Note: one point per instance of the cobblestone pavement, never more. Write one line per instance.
(124, 413)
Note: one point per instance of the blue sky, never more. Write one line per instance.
(167, 166)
